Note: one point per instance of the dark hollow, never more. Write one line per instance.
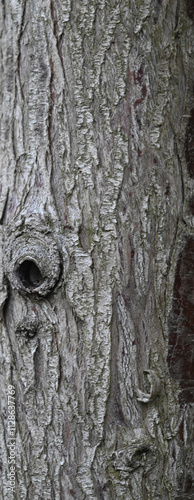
(30, 275)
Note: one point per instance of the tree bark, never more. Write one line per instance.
(97, 254)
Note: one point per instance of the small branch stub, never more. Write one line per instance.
(155, 387)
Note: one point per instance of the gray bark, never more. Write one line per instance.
(97, 253)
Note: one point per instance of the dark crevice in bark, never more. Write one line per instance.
(60, 376)
(4, 212)
(114, 417)
(114, 409)
(169, 262)
(189, 145)
(52, 95)
(177, 15)
(181, 177)
(14, 145)
(191, 205)
(19, 45)
(4, 9)
(57, 38)
(38, 366)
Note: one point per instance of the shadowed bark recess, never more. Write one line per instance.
(189, 146)
(97, 249)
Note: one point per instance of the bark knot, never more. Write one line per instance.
(32, 259)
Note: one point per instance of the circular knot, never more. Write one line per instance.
(32, 261)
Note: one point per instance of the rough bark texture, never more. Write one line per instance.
(96, 209)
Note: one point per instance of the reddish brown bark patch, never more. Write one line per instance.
(186, 487)
(181, 324)
(189, 144)
(138, 75)
(190, 8)
(191, 205)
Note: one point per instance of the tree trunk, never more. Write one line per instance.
(97, 274)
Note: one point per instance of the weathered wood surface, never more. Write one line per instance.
(96, 166)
